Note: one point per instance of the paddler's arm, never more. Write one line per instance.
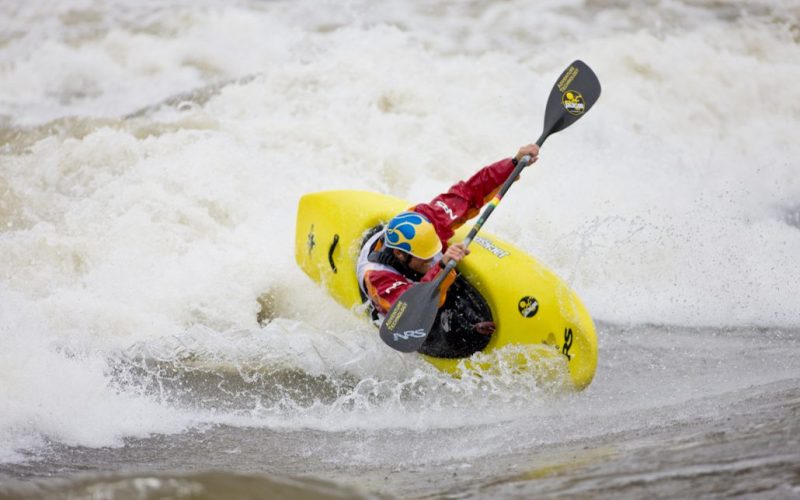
(385, 287)
(463, 200)
(455, 252)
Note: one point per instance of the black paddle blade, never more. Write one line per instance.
(573, 95)
(410, 319)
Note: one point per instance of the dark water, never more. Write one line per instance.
(751, 448)
(648, 436)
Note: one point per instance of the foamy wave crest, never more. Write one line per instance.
(152, 158)
(289, 375)
(53, 391)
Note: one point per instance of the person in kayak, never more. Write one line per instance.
(413, 246)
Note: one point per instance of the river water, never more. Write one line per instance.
(152, 155)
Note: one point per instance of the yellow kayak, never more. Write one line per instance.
(537, 316)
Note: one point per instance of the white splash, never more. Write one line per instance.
(152, 159)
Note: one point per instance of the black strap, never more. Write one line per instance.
(330, 253)
(386, 257)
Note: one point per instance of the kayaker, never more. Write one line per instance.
(413, 246)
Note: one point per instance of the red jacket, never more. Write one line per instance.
(447, 212)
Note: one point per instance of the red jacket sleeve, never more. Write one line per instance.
(463, 201)
(447, 212)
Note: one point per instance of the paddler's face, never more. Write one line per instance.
(419, 265)
(414, 263)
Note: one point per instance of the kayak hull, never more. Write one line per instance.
(536, 314)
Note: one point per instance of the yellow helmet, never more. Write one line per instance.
(412, 233)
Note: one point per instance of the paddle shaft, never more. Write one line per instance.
(521, 164)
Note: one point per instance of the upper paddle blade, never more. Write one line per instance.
(574, 93)
(410, 319)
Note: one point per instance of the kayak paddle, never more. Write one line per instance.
(410, 319)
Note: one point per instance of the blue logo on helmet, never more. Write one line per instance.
(402, 229)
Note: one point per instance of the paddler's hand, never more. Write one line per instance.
(455, 252)
(532, 150)
(484, 327)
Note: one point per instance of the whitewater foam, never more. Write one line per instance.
(154, 157)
